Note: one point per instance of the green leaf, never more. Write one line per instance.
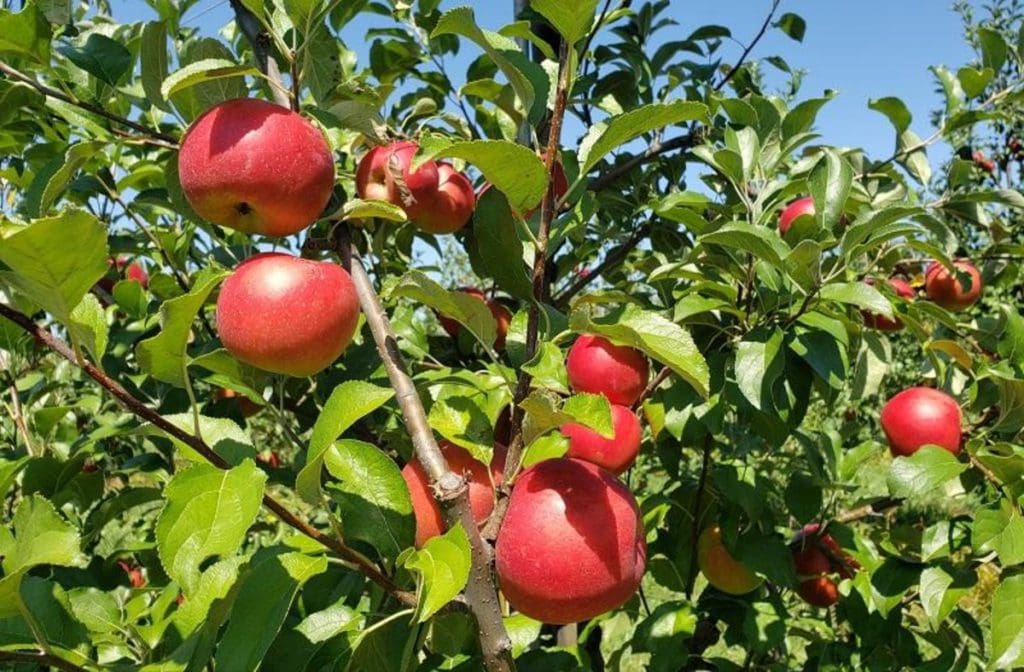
(572, 19)
(514, 170)
(497, 245)
(222, 434)
(831, 182)
(993, 48)
(1008, 624)
(924, 472)
(896, 110)
(758, 365)
(605, 136)
(357, 208)
(201, 72)
(459, 415)
(102, 57)
(763, 243)
(74, 158)
(265, 597)
(153, 62)
(1001, 531)
(442, 567)
(974, 81)
(208, 513)
(659, 338)
(792, 25)
(40, 537)
(916, 161)
(88, 323)
(164, 356)
(25, 33)
(372, 495)
(858, 294)
(56, 260)
(96, 610)
(348, 402)
(940, 593)
(469, 311)
(592, 411)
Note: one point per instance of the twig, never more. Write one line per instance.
(41, 659)
(95, 109)
(873, 509)
(655, 150)
(611, 260)
(746, 52)
(652, 386)
(260, 42)
(142, 411)
(449, 488)
(702, 480)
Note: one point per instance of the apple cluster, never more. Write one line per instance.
(818, 559)
(435, 197)
(258, 168)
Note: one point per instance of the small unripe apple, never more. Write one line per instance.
(256, 167)
(946, 290)
(616, 454)
(429, 518)
(598, 366)
(449, 208)
(880, 322)
(286, 314)
(920, 416)
(502, 318)
(572, 544)
(718, 566)
(819, 592)
(799, 207)
(385, 174)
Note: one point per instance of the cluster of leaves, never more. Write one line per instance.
(766, 419)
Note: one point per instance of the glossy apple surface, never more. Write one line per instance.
(385, 174)
(429, 518)
(903, 290)
(919, 416)
(718, 566)
(256, 167)
(572, 543)
(598, 366)
(820, 592)
(286, 314)
(799, 207)
(945, 288)
(449, 208)
(616, 454)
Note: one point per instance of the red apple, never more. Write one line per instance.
(718, 566)
(946, 290)
(920, 416)
(286, 314)
(135, 576)
(820, 591)
(598, 366)
(616, 454)
(982, 162)
(799, 207)
(449, 208)
(429, 519)
(384, 174)
(572, 543)
(122, 267)
(256, 167)
(903, 290)
(502, 318)
(269, 458)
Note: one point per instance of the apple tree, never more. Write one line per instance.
(567, 344)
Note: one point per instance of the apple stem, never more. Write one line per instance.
(144, 412)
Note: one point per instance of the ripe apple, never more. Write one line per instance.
(718, 566)
(816, 553)
(799, 207)
(429, 519)
(384, 174)
(616, 454)
(286, 314)
(449, 208)
(256, 167)
(572, 543)
(946, 290)
(135, 576)
(122, 267)
(820, 591)
(598, 366)
(920, 416)
(502, 316)
(982, 162)
(903, 290)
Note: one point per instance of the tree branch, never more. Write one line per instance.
(89, 107)
(873, 509)
(611, 260)
(142, 411)
(260, 42)
(450, 489)
(655, 150)
(41, 659)
(750, 47)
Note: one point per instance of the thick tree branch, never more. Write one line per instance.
(89, 107)
(449, 488)
(144, 412)
(260, 42)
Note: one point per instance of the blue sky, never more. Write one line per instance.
(864, 49)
